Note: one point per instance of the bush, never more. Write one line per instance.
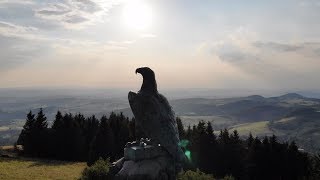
(228, 177)
(98, 171)
(194, 175)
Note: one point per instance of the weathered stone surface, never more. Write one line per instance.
(151, 169)
(144, 160)
(139, 150)
(154, 116)
(159, 157)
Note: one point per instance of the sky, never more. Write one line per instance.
(229, 44)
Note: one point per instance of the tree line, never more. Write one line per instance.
(80, 138)
(225, 153)
(76, 137)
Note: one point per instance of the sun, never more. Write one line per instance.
(137, 15)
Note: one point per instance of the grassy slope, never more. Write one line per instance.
(257, 128)
(39, 169)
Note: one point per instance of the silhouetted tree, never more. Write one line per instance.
(315, 166)
(132, 129)
(41, 121)
(90, 130)
(26, 136)
(103, 143)
(181, 130)
(58, 122)
(41, 135)
(250, 140)
(34, 136)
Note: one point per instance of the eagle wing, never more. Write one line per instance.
(155, 118)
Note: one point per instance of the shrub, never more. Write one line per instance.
(228, 177)
(98, 171)
(194, 175)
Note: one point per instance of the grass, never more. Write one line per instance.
(216, 121)
(36, 169)
(257, 128)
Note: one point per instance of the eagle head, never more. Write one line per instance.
(149, 81)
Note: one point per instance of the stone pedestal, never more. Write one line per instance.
(146, 161)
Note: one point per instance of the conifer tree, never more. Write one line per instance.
(132, 129)
(103, 143)
(41, 121)
(58, 122)
(26, 136)
(41, 144)
(250, 140)
(91, 129)
(181, 130)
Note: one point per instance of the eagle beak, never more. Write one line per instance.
(138, 70)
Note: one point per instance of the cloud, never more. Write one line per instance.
(17, 2)
(54, 10)
(277, 46)
(22, 45)
(18, 51)
(75, 14)
(13, 30)
(279, 64)
(148, 36)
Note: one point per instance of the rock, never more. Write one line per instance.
(158, 168)
(144, 161)
(145, 151)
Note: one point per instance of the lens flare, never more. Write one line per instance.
(183, 144)
(188, 154)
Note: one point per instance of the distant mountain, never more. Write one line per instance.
(301, 125)
(290, 116)
(256, 98)
(291, 96)
(243, 109)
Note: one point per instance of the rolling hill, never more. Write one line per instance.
(289, 116)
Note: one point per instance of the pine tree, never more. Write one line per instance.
(224, 136)
(26, 137)
(41, 121)
(209, 130)
(41, 144)
(234, 137)
(199, 146)
(211, 149)
(103, 143)
(91, 129)
(69, 138)
(189, 132)
(250, 140)
(34, 134)
(80, 121)
(132, 129)
(29, 122)
(182, 133)
(58, 122)
(236, 155)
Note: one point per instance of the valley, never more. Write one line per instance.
(290, 116)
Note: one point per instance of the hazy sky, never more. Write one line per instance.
(190, 44)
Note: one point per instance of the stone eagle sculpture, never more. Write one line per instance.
(155, 117)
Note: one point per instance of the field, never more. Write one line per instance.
(35, 169)
(257, 129)
(218, 122)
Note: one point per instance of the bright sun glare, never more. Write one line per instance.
(137, 15)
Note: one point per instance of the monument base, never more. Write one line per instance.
(143, 160)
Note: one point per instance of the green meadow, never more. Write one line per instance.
(36, 169)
